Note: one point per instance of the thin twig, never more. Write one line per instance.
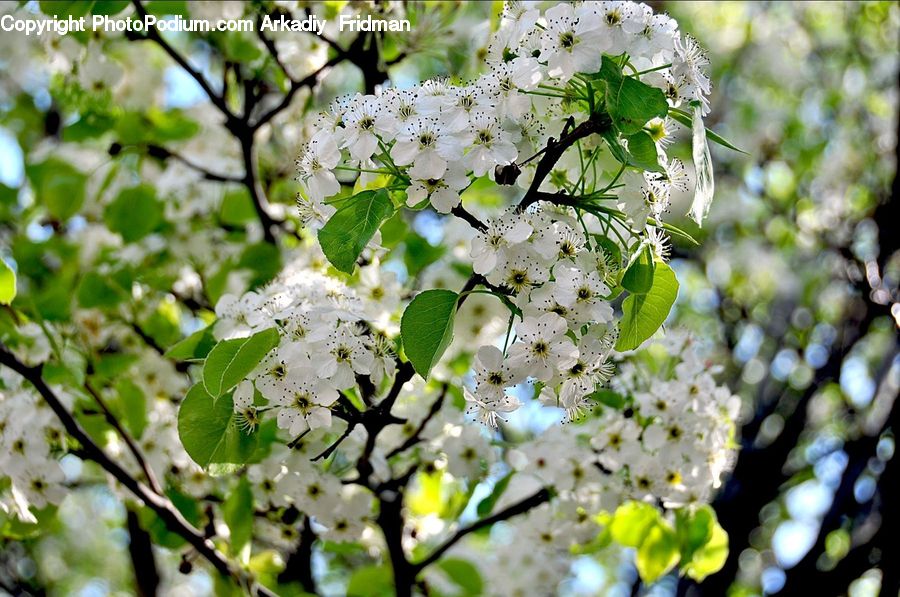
(126, 437)
(416, 435)
(218, 100)
(161, 505)
(518, 508)
(308, 81)
(334, 446)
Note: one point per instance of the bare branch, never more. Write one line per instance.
(518, 508)
(217, 99)
(161, 505)
(126, 437)
(308, 81)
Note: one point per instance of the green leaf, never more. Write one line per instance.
(694, 528)
(686, 119)
(237, 511)
(427, 328)
(351, 227)
(194, 347)
(237, 207)
(59, 186)
(631, 523)
(643, 151)
(229, 362)
(99, 291)
(615, 146)
(7, 283)
(133, 405)
(610, 247)
(209, 432)
(629, 102)
(420, 253)
(134, 213)
(11, 527)
(658, 552)
(640, 525)
(486, 506)
(704, 543)
(109, 7)
(607, 397)
(464, 574)
(262, 258)
(371, 581)
(66, 8)
(643, 314)
(638, 278)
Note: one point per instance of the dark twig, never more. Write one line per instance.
(217, 99)
(140, 548)
(555, 150)
(126, 437)
(460, 212)
(416, 435)
(162, 153)
(330, 449)
(518, 508)
(161, 505)
(308, 81)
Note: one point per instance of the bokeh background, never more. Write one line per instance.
(794, 282)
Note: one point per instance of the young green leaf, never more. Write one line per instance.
(194, 347)
(237, 511)
(643, 151)
(704, 543)
(631, 523)
(209, 432)
(658, 552)
(630, 103)
(134, 213)
(96, 290)
(371, 581)
(710, 558)
(643, 314)
(486, 505)
(229, 362)
(59, 186)
(351, 227)
(638, 278)
(427, 328)
(464, 574)
(7, 283)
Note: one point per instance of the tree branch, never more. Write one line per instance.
(416, 435)
(163, 508)
(140, 548)
(554, 151)
(126, 437)
(460, 212)
(521, 507)
(299, 564)
(217, 99)
(308, 81)
(162, 153)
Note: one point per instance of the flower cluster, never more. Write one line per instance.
(30, 438)
(329, 336)
(669, 441)
(439, 136)
(566, 331)
(436, 139)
